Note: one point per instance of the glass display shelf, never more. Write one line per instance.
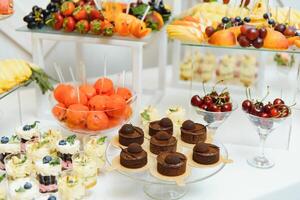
(292, 50)
(48, 30)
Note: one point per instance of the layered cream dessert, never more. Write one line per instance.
(23, 189)
(203, 67)
(95, 149)
(18, 166)
(248, 70)
(47, 170)
(3, 186)
(226, 69)
(52, 136)
(8, 145)
(66, 148)
(85, 168)
(71, 186)
(38, 150)
(147, 115)
(28, 133)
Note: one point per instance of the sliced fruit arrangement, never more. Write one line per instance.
(275, 109)
(15, 72)
(92, 107)
(226, 25)
(213, 101)
(84, 17)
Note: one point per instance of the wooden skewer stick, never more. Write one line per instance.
(145, 14)
(58, 73)
(98, 6)
(128, 6)
(75, 83)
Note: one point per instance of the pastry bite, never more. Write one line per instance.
(52, 136)
(27, 134)
(66, 148)
(3, 186)
(47, 171)
(23, 189)
(192, 133)
(95, 149)
(8, 145)
(133, 156)
(171, 163)
(147, 115)
(206, 154)
(165, 124)
(85, 168)
(71, 186)
(38, 150)
(17, 166)
(163, 142)
(129, 134)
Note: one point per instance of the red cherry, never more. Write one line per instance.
(196, 101)
(209, 31)
(245, 28)
(207, 100)
(213, 108)
(247, 105)
(263, 33)
(227, 107)
(258, 43)
(204, 107)
(252, 34)
(264, 115)
(267, 108)
(257, 109)
(243, 41)
(274, 112)
(278, 102)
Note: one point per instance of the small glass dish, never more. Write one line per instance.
(23, 189)
(18, 166)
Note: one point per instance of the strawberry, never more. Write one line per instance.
(95, 27)
(108, 28)
(67, 8)
(55, 21)
(80, 13)
(93, 13)
(69, 24)
(83, 26)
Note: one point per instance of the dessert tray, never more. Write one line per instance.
(162, 187)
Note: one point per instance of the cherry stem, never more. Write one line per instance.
(214, 87)
(203, 87)
(268, 92)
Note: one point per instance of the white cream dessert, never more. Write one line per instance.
(38, 150)
(23, 189)
(95, 149)
(3, 187)
(66, 148)
(53, 136)
(148, 114)
(248, 70)
(86, 168)
(178, 115)
(47, 170)
(71, 187)
(204, 67)
(27, 134)
(18, 166)
(186, 70)
(225, 71)
(8, 145)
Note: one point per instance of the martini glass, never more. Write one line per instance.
(264, 126)
(215, 119)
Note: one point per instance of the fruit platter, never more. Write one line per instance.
(245, 26)
(91, 108)
(108, 18)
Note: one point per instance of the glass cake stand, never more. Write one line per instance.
(168, 190)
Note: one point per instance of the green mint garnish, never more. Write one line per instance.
(145, 115)
(42, 143)
(71, 139)
(20, 189)
(14, 139)
(2, 177)
(101, 140)
(173, 110)
(54, 162)
(23, 160)
(34, 124)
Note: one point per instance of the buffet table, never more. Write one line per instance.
(236, 181)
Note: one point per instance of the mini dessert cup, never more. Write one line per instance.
(28, 133)
(38, 150)
(71, 186)
(47, 171)
(8, 145)
(66, 148)
(86, 169)
(17, 166)
(52, 136)
(95, 149)
(23, 189)
(3, 186)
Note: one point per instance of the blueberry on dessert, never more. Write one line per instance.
(47, 171)
(193, 133)
(165, 124)
(130, 134)
(133, 157)
(163, 142)
(171, 163)
(206, 154)
(28, 133)
(66, 148)
(23, 189)
(8, 145)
